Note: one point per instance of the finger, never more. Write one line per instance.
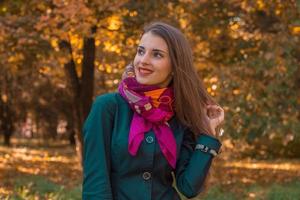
(216, 121)
(213, 112)
(222, 113)
(205, 110)
(220, 118)
(215, 107)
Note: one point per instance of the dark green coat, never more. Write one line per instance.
(110, 172)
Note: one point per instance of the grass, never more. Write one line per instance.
(216, 193)
(291, 191)
(275, 191)
(33, 187)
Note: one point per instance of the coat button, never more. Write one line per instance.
(146, 175)
(149, 139)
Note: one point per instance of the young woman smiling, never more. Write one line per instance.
(161, 121)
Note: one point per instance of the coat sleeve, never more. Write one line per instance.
(96, 152)
(193, 165)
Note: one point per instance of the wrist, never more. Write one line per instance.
(213, 132)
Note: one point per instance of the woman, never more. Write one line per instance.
(161, 121)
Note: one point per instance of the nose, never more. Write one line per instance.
(145, 59)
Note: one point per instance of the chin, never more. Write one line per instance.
(144, 81)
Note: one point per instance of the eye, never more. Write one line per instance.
(157, 55)
(140, 51)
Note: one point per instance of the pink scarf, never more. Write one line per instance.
(149, 112)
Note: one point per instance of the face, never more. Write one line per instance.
(152, 64)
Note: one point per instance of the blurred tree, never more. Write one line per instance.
(246, 51)
(72, 27)
(18, 51)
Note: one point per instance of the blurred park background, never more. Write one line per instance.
(57, 55)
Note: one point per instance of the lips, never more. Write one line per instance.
(144, 71)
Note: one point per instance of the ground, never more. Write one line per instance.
(29, 170)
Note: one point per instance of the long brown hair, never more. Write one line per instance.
(191, 96)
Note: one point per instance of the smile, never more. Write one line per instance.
(144, 71)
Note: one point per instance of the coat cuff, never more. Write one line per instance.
(209, 141)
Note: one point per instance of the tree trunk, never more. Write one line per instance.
(77, 115)
(6, 113)
(71, 129)
(7, 124)
(83, 89)
(87, 80)
(7, 140)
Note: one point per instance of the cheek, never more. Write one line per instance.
(135, 60)
(165, 68)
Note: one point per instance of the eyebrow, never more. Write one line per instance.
(153, 49)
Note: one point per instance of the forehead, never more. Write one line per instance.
(152, 41)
